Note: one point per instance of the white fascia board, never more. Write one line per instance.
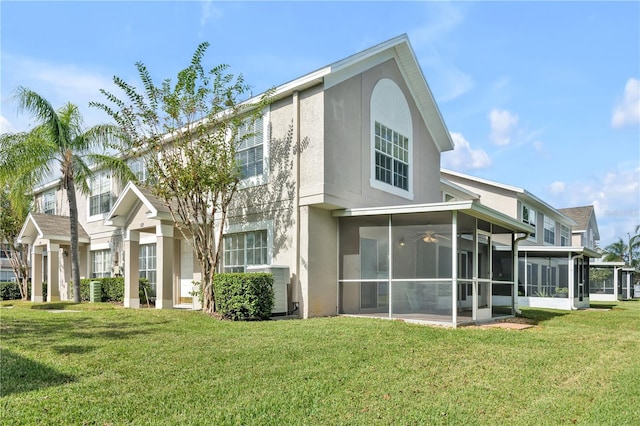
(448, 184)
(561, 249)
(29, 222)
(470, 207)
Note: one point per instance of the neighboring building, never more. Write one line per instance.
(6, 272)
(612, 281)
(585, 233)
(553, 264)
(342, 189)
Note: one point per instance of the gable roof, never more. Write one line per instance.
(127, 201)
(398, 48)
(49, 227)
(582, 216)
(524, 195)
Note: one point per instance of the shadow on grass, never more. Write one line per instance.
(20, 374)
(536, 316)
(73, 349)
(54, 305)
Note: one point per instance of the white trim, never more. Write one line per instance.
(263, 178)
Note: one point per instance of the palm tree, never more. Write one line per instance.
(616, 252)
(59, 139)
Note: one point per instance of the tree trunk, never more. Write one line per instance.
(75, 253)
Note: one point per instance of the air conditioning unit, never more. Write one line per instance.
(280, 282)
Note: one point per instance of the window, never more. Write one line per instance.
(391, 134)
(392, 157)
(148, 265)
(565, 236)
(529, 217)
(5, 251)
(549, 230)
(101, 263)
(7, 277)
(100, 201)
(242, 249)
(49, 202)
(250, 149)
(139, 168)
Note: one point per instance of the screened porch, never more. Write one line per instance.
(445, 263)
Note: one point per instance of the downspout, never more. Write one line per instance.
(514, 246)
(295, 296)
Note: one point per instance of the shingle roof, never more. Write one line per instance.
(581, 215)
(51, 225)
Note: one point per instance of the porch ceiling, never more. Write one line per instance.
(49, 227)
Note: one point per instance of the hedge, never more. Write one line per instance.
(11, 291)
(112, 288)
(244, 296)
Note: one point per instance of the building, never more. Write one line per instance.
(342, 187)
(553, 266)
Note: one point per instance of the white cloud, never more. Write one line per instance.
(615, 195)
(464, 157)
(627, 110)
(503, 124)
(557, 187)
(6, 126)
(58, 83)
(208, 12)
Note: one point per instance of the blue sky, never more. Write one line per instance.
(539, 95)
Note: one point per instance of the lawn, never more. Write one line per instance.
(100, 364)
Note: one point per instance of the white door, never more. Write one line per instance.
(186, 272)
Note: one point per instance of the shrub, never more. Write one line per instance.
(112, 288)
(244, 296)
(10, 291)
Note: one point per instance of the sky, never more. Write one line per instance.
(543, 96)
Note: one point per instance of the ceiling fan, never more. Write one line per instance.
(430, 237)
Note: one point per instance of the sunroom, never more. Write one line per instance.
(555, 277)
(445, 263)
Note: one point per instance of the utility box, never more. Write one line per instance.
(95, 291)
(280, 283)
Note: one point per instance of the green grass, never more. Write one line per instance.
(109, 365)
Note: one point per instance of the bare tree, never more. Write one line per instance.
(13, 213)
(188, 134)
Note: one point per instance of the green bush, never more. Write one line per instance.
(244, 296)
(112, 288)
(10, 291)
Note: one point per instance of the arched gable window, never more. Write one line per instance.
(391, 140)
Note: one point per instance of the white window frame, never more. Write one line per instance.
(148, 264)
(252, 227)
(7, 276)
(394, 147)
(389, 107)
(101, 178)
(263, 247)
(139, 168)
(565, 236)
(263, 178)
(49, 202)
(531, 219)
(549, 226)
(100, 263)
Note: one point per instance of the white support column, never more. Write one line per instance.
(36, 275)
(164, 266)
(454, 268)
(131, 269)
(53, 263)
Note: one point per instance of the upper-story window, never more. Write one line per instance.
(100, 199)
(565, 236)
(529, 217)
(549, 230)
(250, 149)
(49, 202)
(392, 157)
(5, 251)
(139, 168)
(391, 140)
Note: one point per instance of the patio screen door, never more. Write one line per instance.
(482, 284)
